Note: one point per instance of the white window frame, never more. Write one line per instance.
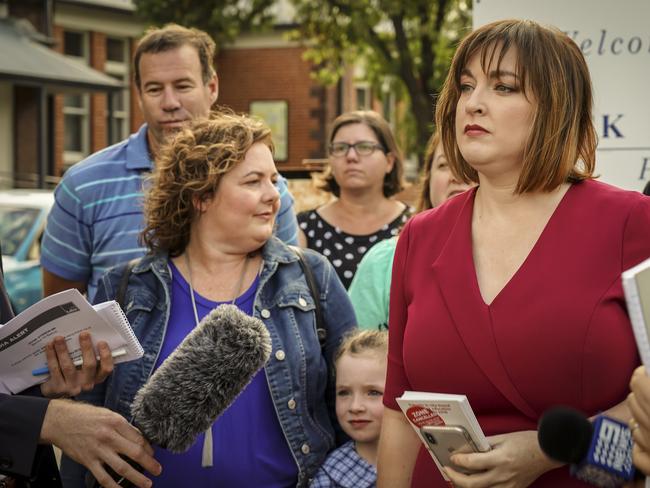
(72, 157)
(364, 87)
(389, 104)
(120, 70)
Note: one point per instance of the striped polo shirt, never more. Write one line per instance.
(97, 215)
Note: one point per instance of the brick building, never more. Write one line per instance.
(61, 72)
(263, 74)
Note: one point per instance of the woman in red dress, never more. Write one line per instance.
(511, 293)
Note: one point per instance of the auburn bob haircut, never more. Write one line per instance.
(562, 142)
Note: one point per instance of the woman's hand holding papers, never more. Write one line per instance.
(68, 380)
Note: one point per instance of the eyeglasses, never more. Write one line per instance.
(362, 148)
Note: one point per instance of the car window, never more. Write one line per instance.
(34, 252)
(15, 226)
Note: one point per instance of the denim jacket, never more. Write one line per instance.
(299, 373)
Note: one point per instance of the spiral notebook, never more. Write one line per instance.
(636, 285)
(112, 313)
(67, 314)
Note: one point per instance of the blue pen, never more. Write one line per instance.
(117, 353)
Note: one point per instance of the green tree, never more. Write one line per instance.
(409, 42)
(224, 20)
(404, 44)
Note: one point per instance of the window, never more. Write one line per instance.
(76, 107)
(116, 50)
(75, 116)
(117, 66)
(16, 225)
(362, 93)
(388, 107)
(75, 45)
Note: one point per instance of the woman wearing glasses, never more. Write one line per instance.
(365, 171)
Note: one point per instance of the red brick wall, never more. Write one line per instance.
(26, 132)
(26, 107)
(247, 75)
(57, 119)
(98, 101)
(98, 129)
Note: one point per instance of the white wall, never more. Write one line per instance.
(117, 24)
(615, 40)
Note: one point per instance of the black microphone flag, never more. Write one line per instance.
(600, 453)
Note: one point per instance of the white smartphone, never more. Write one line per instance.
(445, 440)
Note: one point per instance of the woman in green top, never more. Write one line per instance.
(370, 288)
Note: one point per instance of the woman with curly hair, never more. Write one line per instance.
(209, 215)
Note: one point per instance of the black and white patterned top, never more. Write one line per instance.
(344, 250)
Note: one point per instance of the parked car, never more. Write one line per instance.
(22, 221)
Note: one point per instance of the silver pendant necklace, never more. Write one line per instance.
(207, 456)
(237, 290)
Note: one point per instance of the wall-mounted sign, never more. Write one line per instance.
(276, 114)
(615, 40)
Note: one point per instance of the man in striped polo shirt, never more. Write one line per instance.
(97, 216)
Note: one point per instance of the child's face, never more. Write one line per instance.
(360, 382)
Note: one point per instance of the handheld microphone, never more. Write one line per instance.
(600, 453)
(200, 379)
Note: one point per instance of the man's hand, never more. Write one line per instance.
(95, 436)
(65, 379)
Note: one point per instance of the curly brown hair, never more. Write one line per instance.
(188, 171)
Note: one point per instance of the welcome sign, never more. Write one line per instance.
(615, 40)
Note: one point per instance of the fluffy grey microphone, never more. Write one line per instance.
(201, 378)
